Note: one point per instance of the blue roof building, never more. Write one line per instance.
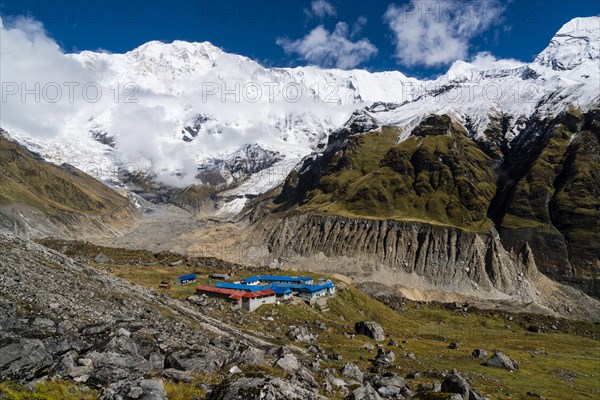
(241, 286)
(254, 280)
(251, 280)
(282, 292)
(182, 280)
(317, 290)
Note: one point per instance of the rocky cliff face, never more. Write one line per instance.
(441, 257)
(418, 255)
(452, 211)
(548, 196)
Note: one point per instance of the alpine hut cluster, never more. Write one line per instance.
(254, 291)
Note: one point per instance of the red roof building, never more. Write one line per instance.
(249, 300)
(229, 294)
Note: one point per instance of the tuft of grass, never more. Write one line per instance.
(53, 390)
(184, 391)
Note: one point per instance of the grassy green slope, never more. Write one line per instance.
(438, 175)
(27, 179)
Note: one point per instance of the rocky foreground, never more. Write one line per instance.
(61, 320)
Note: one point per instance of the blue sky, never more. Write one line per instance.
(420, 39)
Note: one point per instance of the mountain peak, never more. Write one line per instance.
(581, 26)
(575, 44)
(159, 49)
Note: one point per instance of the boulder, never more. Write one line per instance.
(263, 388)
(368, 346)
(352, 371)
(247, 355)
(177, 376)
(288, 362)
(371, 329)
(301, 334)
(501, 360)
(389, 391)
(102, 259)
(455, 383)
(235, 370)
(396, 381)
(384, 358)
(24, 360)
(145, 389)
(479, 353)
(304, 375)
(365, 392)
(196, 360)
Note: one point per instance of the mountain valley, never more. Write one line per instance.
(458, 218)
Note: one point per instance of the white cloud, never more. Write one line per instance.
(436, 33)
(148, 133)
(330, 49)
(358, 25)
(486, 61)
(321, 9)
(32, 70)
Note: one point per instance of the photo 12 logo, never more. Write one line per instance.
(54, 92)
(254, 92)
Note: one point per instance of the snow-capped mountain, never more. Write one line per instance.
(177, 110)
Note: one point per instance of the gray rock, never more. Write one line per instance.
(368, 346)
(204, 360)
(388, 391)
(135, 392)
(413, 375)
(371, 329)
(235, 370)
(156, 360)
(24, 360)
(396, 381)
(384, 358)
(117, 359)
(479, 353)
(304, 375)
(102, 259)
(288, 363)
(176, 375)
(336, 382)
(144, 389)
(301, 334)
(264, 388)
(365, 392)
(352, 371)
(501, 360)
(43, 323)
(455, 383)
(248, 355)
